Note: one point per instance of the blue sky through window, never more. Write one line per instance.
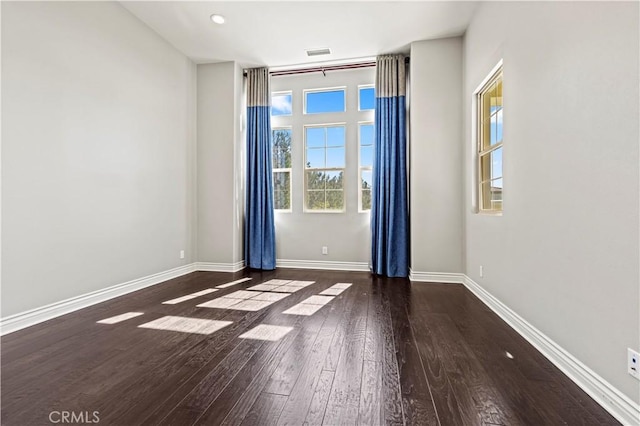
(367, 98)
(281, 104)
(325, 147)
(329, 101)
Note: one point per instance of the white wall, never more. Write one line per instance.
(564, 255)
(299, 235)
(436, 156)
(97, 150)
(219, 159)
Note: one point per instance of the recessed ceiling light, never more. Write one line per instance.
(218, 19)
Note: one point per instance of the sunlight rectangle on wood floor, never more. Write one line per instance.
(232, 283)
(120, 318)
(267, 332)
(186, 325)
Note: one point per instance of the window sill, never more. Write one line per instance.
(488, 213)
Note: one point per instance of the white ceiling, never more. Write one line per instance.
(276, 33)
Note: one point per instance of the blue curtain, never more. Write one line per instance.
(389, 203)
(259, 231)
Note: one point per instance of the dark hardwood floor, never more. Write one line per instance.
(384, 351)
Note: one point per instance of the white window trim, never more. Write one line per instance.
(475, 138)
(305, 169)
(325, 89)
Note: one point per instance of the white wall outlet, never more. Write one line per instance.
(181, 254)
(325, 250)
(633, 363)
(481, 271)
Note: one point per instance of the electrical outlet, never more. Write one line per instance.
(481, 271)
(633, 363)
(325, 250)
(181, 254)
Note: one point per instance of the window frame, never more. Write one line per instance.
(282, 170)
(362, 168)
(324, 89)
(305, 169)
(495, 75)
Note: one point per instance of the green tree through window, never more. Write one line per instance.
(281, 163)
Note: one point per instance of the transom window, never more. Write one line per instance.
(281, 103)
(319, 101)
(490, 112)
(324, 167)
(366, 98)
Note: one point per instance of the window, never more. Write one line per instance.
(281, 163)
(365, 136)
(325, 100)
(490, 111)
(281, 103)
(366, 98)
(324, 167)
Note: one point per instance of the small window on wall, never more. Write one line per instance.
(324, 168)
(490, 113)
(281, 164)
(281, 103)
(366, 98)
(324, 101)
(365, 135)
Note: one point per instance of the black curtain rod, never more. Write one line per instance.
(327, 68)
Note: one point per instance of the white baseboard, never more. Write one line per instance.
(219, 267)
(611, 399)
(322, 264)
(436, 277)
(34, 316)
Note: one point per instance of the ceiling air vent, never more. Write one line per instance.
(318, 52)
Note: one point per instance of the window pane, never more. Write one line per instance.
(334, 180)
(316, 180)
(335, 157)
(315, 200)
(493, 130)
(491, 165)
(366, 134)
(335, 136)
(491, 194)
(366, 179)
(367, 98)
(315, 158)
(496, 163)
(499, 125)
(329, 101)
(281, 104)
(282, 190)
(366, 156)
(315, 137)
(366, 199)
(281, 148)
(335, 200)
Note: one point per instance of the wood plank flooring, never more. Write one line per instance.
(384, 351)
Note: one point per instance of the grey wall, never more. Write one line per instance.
(436, 156)
(97, 149)
(219, 159)
(564, 255)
